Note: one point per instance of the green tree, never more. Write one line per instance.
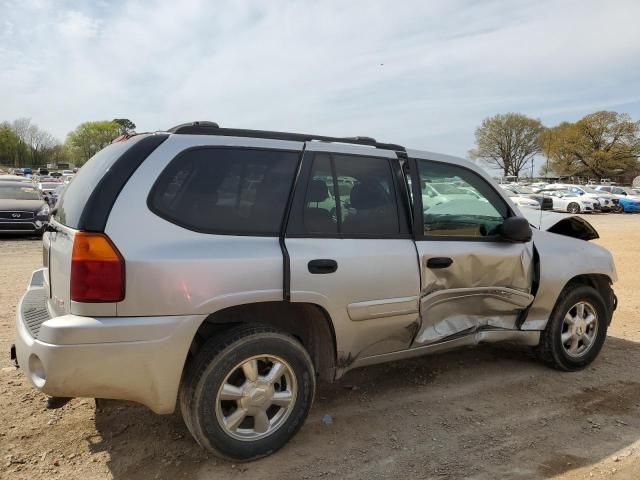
(599, 144)
(126, 125)
(507, 141)
(9, 145)
(89, 138)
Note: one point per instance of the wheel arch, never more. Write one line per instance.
(310, 323)
(601, 283)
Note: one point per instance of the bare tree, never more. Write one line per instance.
(507, 141)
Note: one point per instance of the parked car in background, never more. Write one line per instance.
(607, 201)
(437, 193)
(43, 171)
(544, 202)
(47, 189)
(15, 178)
(522, 201)
(619, 192)
(571, 202)
(630, 204)
(22, 209)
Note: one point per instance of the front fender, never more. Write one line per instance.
(561, 259)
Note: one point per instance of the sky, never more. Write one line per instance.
(420, 73)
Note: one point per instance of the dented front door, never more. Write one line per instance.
(470, 278)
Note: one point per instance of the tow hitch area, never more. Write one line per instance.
(14, 357)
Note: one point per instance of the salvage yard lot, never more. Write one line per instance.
(483, 413)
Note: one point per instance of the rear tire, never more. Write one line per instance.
(576, 330)
(247, 392)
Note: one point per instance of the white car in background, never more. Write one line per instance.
(573, 203)
(619, 192)
(437, 193)
(607, 201)
(522, 201)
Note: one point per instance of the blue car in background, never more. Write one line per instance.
(630, 205)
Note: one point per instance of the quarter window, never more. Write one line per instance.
(457, 202)
(226, 190)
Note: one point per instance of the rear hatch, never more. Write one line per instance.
(75, 211)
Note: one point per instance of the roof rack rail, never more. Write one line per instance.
(212, 128)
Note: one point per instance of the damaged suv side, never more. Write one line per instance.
(225, 270)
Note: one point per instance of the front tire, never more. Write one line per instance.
(573, 207)
(576, 330)
(247, 392)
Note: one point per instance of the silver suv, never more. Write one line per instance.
(226, 270)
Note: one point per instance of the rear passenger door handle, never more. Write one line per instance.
(322, 266)
(439, 262)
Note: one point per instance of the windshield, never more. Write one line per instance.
(18, 192)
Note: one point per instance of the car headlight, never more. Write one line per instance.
(44, 211)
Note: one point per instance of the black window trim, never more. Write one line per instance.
(276, 234)
(418, 216)
(95, 212)
(296, 221)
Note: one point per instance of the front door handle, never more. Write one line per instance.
(439, 262)
(322, 266)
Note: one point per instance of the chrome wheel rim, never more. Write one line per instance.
(256, 397)
(574, 208)
(579, 329)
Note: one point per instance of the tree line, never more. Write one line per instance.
(599, 145)
(24, 144)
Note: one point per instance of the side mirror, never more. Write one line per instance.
(516, 230)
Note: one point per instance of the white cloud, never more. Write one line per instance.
(423, 73)
(77, 26)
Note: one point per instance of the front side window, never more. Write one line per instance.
(226, 190)
(351, 195)
(457, 202)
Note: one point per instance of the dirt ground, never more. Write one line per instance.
(482, 413)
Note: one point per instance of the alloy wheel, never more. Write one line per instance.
(256, 397)
(579, 329)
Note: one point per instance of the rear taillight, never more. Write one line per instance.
(97, 269)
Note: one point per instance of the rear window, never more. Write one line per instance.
(71, 204)
(231, 191)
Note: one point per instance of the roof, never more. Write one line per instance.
(212, 128)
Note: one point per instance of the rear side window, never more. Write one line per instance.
(71, 205)
(226, 190)
(351, 195)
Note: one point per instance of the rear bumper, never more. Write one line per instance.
(128, 358)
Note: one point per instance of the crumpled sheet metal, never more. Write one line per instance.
(488, 287)
(495, 264)
(466, 309)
